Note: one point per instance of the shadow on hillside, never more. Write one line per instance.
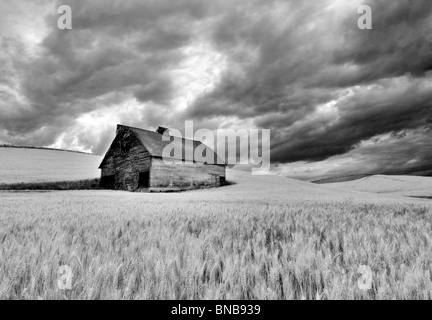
(93, 184)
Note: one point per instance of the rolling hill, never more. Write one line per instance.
(44, 165)
(412, 186)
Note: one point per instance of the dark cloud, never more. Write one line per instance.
(390, 105)
(302, 69)
(370, 82)
(157, 91)
(399, 152)
(116, 47)
(399, 43)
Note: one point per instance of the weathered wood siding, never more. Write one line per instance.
(185, 175)
(125, 159)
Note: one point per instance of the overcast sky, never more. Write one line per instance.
(338, 100)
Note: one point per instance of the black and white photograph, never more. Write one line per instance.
(217, 156)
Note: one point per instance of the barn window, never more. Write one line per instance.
(143, 180)
(222, 180)
(108, 182)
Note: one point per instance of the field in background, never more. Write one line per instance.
(19, 165)
(401, 185)
(262, 238)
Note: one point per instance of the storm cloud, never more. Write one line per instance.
(338, 100)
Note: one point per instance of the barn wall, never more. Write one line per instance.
(184, 175)
(125, 160)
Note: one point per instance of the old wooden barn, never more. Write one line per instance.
(134, 162)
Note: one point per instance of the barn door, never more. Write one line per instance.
(222, 180)
(144, 179)
(108, 182)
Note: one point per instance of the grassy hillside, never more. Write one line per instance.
(19, 165)
(399, 185)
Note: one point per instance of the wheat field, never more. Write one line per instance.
(40, 165)
(272, 239)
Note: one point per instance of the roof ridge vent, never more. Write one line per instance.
(162, 130)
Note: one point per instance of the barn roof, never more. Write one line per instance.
(154, 144)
